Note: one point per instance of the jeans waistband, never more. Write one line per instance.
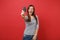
(28, 35)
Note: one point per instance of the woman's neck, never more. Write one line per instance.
(31, 16)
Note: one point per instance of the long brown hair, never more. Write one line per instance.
(29, 19)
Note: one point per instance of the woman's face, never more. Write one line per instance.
(30, 10)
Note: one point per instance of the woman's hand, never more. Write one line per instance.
(22, 12)
(34, 38)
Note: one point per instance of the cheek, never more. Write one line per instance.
(29, 10)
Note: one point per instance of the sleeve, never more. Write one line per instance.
(37, 22)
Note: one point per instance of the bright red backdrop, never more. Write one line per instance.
(12, 25)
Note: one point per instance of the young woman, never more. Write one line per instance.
(32, 24)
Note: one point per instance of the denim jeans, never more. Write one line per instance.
(28, 37)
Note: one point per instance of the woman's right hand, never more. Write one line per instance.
(22, 13)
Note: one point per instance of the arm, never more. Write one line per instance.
(23, 16)
(23, 11)
(36, 31)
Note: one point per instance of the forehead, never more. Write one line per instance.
(31, 7)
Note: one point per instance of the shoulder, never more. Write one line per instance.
(26, 17)
(36, 16)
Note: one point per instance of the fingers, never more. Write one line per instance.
(22, 12)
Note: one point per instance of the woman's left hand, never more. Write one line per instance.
(34, 38)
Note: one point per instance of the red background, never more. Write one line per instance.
(12, 25)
